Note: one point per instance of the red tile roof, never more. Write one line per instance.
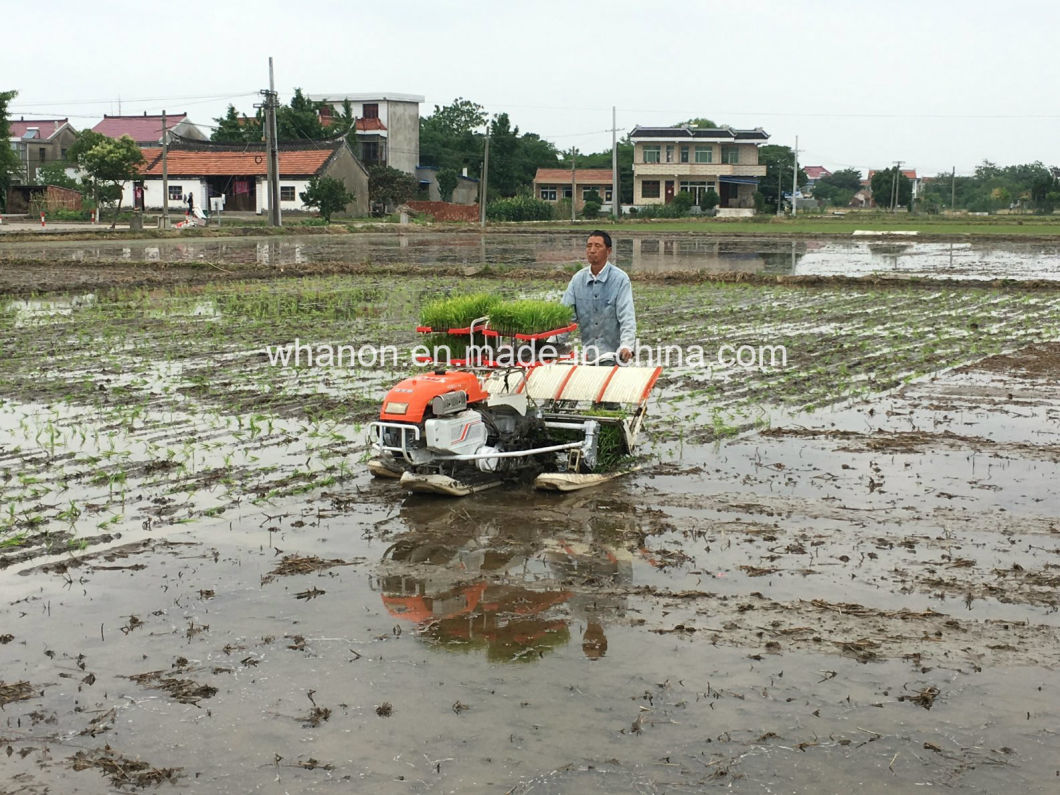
(142, 129)
(561, 176)
(47, 127)
(816, 172)
(369, 125)
(224, 163)
(907, 172)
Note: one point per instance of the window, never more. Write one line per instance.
(568, 192)
(651, 154)
(607, 194)
(548, 194)
(704, 154)
(371, 152)
(176, 192)
(669, 153)
(42, 152)
(587, 191)
(697, 189)
(371, 110)
(287, 193)
(684, 153)
(649, 189)
(730, 154)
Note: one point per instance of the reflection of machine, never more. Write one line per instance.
(472, 580)
(452, 432)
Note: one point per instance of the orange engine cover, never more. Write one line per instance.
(408, 400)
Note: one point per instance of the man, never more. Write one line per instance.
(602, 299)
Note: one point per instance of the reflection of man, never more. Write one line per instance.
(602, 299)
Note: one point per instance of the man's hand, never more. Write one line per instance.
(625, 354)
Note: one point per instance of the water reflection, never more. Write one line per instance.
(637, 251)
(514, 584)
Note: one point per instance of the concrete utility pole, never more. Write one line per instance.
(953, 189)
(894, 185)
(573, 182)
(795, 180)
(165, 175)
(616, 201)
(275, 218)
(483, 186)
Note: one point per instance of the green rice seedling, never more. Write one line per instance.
(457, 311)
(529, 316)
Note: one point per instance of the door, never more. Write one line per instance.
(669, 191)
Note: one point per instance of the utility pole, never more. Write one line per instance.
(165, 175)
(274, 156)
(616, 202)
(483, 186)
(795, 181)
(573, 181)
(953, 189)
(894, 185)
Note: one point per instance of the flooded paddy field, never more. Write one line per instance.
(639, 250)
(837, 567)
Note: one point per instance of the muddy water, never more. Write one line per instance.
(641, 252)
(856, 599)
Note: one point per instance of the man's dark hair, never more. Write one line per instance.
(604, 235)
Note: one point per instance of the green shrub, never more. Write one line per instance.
(519, 208)
(683, 202)
(709, 199)
(591, 209)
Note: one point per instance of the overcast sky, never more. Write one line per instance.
(933, 83)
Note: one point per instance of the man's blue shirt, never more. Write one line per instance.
(603, 309)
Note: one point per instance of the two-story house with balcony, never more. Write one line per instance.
(667, 160)
(387, 124)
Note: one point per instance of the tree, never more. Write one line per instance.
(460, 117)
(300, 121)
(448, 179)
(883, 188)
(1045, 194)
(452, 137)
(709, 199)
(389, 186)
(592, 205)
(235, 129)
(9, 164)
(779, 161)
(328, 195)
(54, 173)
(838, 189)
(109, 165)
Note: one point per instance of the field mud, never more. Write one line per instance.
(838, 569)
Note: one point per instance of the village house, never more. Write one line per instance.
(237, 175)
(39, 141)
(387, 124)
(465, 192)
(555, 184)
(667, 160)
(813, 173)
(147, 130)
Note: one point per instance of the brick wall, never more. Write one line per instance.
(446, 211)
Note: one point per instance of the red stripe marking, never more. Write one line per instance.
(563, 384)
(599, 397)
(651, 383)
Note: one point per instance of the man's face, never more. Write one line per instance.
(597, 252)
